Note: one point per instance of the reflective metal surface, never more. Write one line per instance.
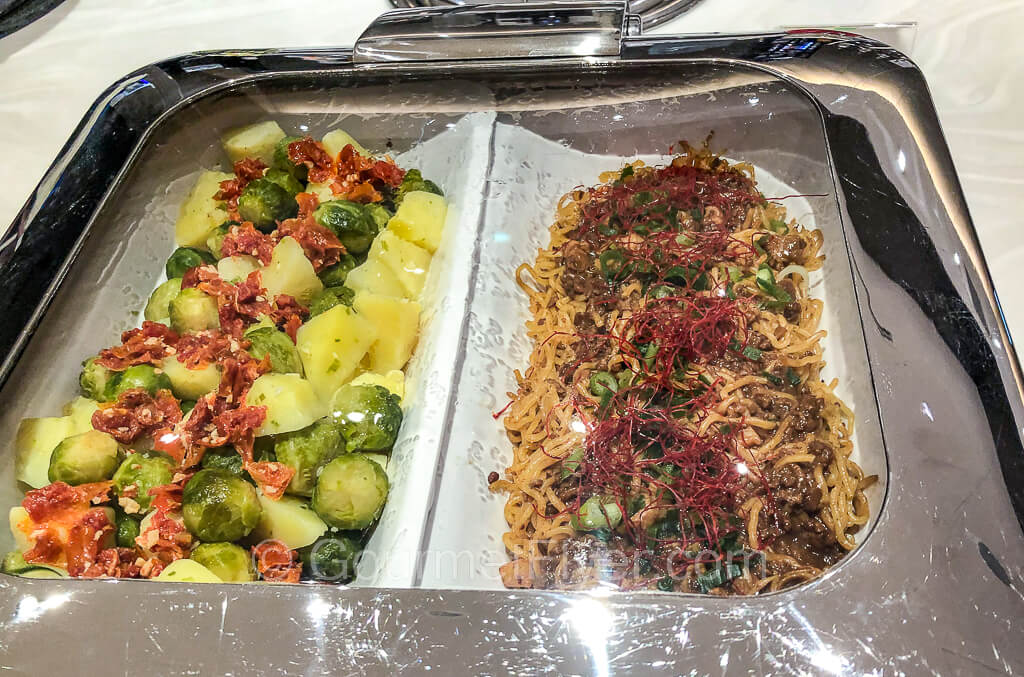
(653, 12)
(936, 588)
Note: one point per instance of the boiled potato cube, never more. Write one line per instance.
(321, 190)
(35, 442)
(21, 527)
(80, 410)
(291, 403)
(258, 141)
(331, 346)
(398, 328)
(408, 262)
(290, 272)
(187, 571)
(200, 213)
(376, 277)
(289, 520)
(234, 269)
(420, 219)
(393, 380)
(338, 139)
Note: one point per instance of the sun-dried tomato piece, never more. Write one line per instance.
(148, 345)
(311, 153)
(54, 499)
(321, 246)
(272, 477)
(83, 542)
(136, 413)
(246, 170)
(196, 351)
(360, 178)
(246, 240)
(276, 562)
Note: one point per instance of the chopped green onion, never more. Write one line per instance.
(778, 226)
(749, 352)
(720, 575)
(595, 514)
(772, 378)
(703, 378)
(642, 198)
(603, 384)
(730, 292)
(662, 290)
(685, 239)
(697, 214)
(792, 376)
(734, 273)
(612, 263)
(666, 584)
(572, 462)
(625, 378)
(766, 281)
(626, 173)
(759, 243)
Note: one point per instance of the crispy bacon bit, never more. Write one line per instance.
(311, 153)
(277, 563)
(136, 413)
(360, 178)
(248, 241)
(272, 477)
(246, 170)
(57, 498)
(197, 351)
(148, 345)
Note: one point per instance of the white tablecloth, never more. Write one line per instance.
(971, 52)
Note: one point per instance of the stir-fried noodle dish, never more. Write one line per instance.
(672, 430)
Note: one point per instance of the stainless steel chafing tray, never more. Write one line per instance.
(535, 93)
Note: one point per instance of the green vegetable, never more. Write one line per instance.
(158, 307)
(571, 463)
(350, 492)
(612, 263)
(749, 352)
(350, 221)
(284, 357)
(142, 376)
(91, 456)
(792, 376)
(772, 378)
(190, 384)
(283, 162)
(14, 563)
(666, 584)
(285, 180)
(718, 576)
(335, 276)
(380, 214)
(215, 240)
(95, 380)
(265, 203)
(228, 562)
(603, 385)
(778, 226)
(597, 514)
(332, 559)
(224, 458)
(219, 506)
(662, 291)
(327, 298)
(766, 282)
(185, 258)
(187, 406)
(192, 311)
(306, 450)
(414, 181)
(367, 415)
(127, 530)
(144, 470)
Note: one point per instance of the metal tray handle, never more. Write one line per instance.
(570, 28)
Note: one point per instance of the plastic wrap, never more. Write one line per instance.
(934, 587)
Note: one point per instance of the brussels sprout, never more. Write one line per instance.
(227, 561)
(327, 298)
(142, 376)
(284, 357)
(127, 530)
(380, 214)
(219, 506)
(216, 238)
(95, 380)
(350, 222)
(192, 311)
(334, 276)
(144, 470)
(265, 203)
(283, 162)
(285, 180)
(414, 181)
(185, 258)
(306, 450)
(350, 492)
(332, 558)
(158, 307)
(368, 415)
(91, 456)
(224, 458)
